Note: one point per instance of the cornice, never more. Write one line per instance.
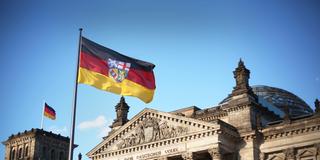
(295, 128)
(222, 112)
(34, 132)
(249, 136)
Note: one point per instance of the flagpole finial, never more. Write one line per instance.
(80, 29)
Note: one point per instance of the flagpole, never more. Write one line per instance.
(70, 157)
(43, 103)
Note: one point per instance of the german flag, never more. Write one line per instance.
(49, 112)
(108, 70)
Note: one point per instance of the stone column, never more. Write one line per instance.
(262, 156)
(317, 146)
(215, 153)
(290, 154)
(187, 156)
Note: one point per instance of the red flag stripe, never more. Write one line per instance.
(47, 110)
(92, 63)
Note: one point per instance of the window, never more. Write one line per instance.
(20, 153)
(12, 155)
(52, 155)
(44, 152)
(26, 150)
(61, 156)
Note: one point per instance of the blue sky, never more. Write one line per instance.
(195, 46)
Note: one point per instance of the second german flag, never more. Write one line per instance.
(49, 112)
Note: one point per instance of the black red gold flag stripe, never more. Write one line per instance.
(111, 71)
(49, 112)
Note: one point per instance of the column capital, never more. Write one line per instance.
(187, 156)
(215, 153)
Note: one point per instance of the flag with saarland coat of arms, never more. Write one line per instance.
(111, 71)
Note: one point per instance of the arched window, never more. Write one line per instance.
(61, 156)
(26, 151)
(20, 153)
(13, 154)
(52, 155)
(44, 152)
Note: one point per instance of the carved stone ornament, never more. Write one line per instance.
(289, 153)
(151, 129)
(187, 156)
(122, 110)
(215, 153)
(242, 75)
(287, 117)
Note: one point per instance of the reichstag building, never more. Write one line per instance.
(251, 123)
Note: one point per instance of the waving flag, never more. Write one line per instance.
(111, 71)
(49, 112)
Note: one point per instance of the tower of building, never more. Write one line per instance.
(122, 110)
(36, 144)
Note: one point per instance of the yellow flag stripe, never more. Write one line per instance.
(49, 116)
(126, 87)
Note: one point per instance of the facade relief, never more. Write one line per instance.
(187, 156)
(149, 130)
(304, 153)
(289, 153)
(215, 153)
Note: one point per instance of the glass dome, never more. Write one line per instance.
(279, 98)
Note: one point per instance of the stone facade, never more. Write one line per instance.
(36, 144)
(245, 126)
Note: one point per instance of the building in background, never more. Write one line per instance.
(252, 123)
(36, 144)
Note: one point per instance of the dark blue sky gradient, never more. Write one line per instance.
(195, 46)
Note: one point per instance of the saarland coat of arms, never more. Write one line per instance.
(118, 70)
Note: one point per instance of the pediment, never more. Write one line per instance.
(150, 126)
(306, 153)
